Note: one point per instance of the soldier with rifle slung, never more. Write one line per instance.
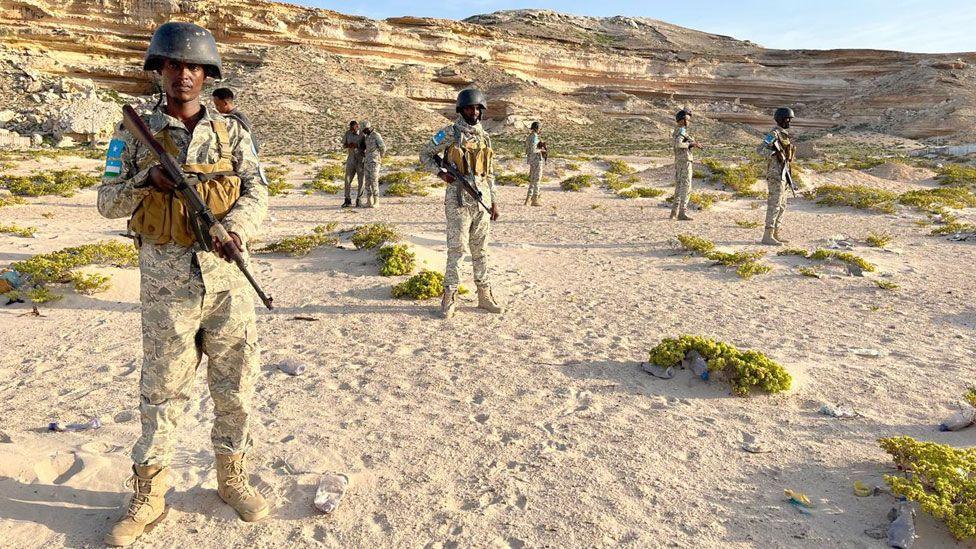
(780, 152)
(195, 301)
(469, 171)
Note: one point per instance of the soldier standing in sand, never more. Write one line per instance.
(373, 149)
(779, 151)
(194, 303)
(354, 162)
(467, 146)
(535, 154)
(683, 158)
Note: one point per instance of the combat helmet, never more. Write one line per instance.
(783, 113)
(184, 42)
(682, 114)
(471, 96)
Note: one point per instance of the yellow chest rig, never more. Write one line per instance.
(162, 217)
(788, 147)
(472, 155)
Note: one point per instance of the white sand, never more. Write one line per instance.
(534, 428)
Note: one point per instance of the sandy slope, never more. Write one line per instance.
(534, 428)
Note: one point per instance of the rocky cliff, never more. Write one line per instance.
(318, 68)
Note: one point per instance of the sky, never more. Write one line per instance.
(906, 25)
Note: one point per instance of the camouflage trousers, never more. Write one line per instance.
(178, 328)
(776, 202)
(468, 227)
(354, 169)
(535, 176)
(682, 185)
(371, 188)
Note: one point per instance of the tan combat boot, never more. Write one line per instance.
(682, 216)
(487, 301)
(235, 489)
(770, 240)
(528, 197)
(777, 236)
(674, 212)
(449, 302)
(147, 506)
(535, 201)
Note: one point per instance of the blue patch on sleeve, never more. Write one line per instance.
(115, 149)
(439, 138)
(682, 131)
(113, 168)
(769, 139)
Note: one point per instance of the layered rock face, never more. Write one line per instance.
(591, 69)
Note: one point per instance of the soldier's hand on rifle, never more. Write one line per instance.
(159, 179)
(446, 176)
(494, 212)
(224, 251)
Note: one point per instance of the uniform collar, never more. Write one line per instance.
(469, 129)
(158, 119)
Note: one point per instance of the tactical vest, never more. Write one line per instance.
(162, 217)
(472, 156)
(788, 147)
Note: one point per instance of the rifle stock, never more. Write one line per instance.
(462, 180)
(202, 219)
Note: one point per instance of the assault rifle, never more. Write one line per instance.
(203, 221)
(463, 181)
(786, 173)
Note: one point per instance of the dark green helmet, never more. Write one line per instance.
(682, 114)
(535, 126)
(783, 113)
(184, 42)
(471, 96)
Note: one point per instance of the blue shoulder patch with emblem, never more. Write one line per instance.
(439, 138)
(682, 131)
(115, 149)
(769, 139)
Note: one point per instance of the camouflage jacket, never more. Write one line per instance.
(532, 152)
(375, 147)
(768, 147)
(124, 186)
(682, 145)
(443, 139)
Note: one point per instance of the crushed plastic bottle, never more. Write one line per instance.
(839, 412)
(329, 493)
(292, 367)
(697, 364)
(959, 420)
(93, 423)
(901, 532)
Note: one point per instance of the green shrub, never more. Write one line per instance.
(935, 200)
(512, 179)
(374, 235)
(58, 183)
(424, 285)
(619, 167)
(396, 260)
(276, 180)
(325, 179)
(953, 227)
(970, 396)
(406, 189)
(56, 266)
(823, 166)
(26, 232)
(866, 163)
(760, 195)
(576, 183)
(738, 178)
(696, 244)
(957, 175)
(940, 478)
(879, 240)
(812, 272)
(856, 196)
(572, 167)
(301, 245)
(844, 257)
(746, 264)
(43, 294)
(411, 177)
(704, 200)
(886, 284)
(745, 371)
(90, 284)
(11, 201)
(747, 223)
(641, 192)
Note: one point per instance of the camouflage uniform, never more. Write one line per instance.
(775, 178)
(468, 224)
(534, 157)
(193, 303)
(683, 158)
(375, 149)
(354, 162)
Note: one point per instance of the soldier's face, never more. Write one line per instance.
(785, 123)
(686, 121)
(354, 128)
(182, 82)
(471, 114)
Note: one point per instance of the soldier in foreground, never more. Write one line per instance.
(535, 151)
(779, 151)
(467, 147)
(373, 149)
(354, 162)
(683, 158)
(194, 303)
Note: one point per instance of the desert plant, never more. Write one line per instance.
(738, 178)
(812, 272)
(942, 479)
(746, 264)
(745, 371)
(958, 175)
(855, 196)
(747, 223)
(886, 285)
(619, 167)
(424, 285)
(56, 266)
(879, 240)
(641, 192)
(512, 179)
(11, 201)
(26, 232)
(325, 179)
(43, 294)
(844, 257)
(576, 183)
(396, 260)
(302, 245)
(936, 200)
(59, 183)
(276, 180)
(89, 284)
(374, 235)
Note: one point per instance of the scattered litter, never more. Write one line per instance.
(292, 367)
(839, 411)
(697, 364)
(657, 371)
(9, 280)
(305, 318)
(799, 501)
(873, 353)
(753, 445)
(959, 420)
(93, 423)
(862, 490)
(330, 491)
(839, 242)
(901, 533)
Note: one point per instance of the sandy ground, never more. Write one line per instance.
(532, 428)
